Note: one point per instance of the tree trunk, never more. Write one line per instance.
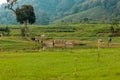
(26, 28)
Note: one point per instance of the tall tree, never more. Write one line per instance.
(25, 15)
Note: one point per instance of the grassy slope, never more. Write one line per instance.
(60, 65)
(93, 13)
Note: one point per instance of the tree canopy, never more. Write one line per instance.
(25, 13)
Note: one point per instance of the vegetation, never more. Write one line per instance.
(23, 59)
(68, 10)
(84, 35)
(70, 49)
(25, 15)
(5, 30)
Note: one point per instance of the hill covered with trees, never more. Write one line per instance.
(49, 11)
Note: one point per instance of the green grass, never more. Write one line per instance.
(60, 65)
(67, 30)
(76, 30)
(88, 36)
(21, 60)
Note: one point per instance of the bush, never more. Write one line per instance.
(23, 32)
(5, 30)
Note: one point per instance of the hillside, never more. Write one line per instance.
(68, 10)
(94, 10)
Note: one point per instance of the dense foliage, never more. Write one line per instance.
(25, 13)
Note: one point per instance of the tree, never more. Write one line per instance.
(25, 15)
(114, 26)
(10, 4)
(86, 19)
